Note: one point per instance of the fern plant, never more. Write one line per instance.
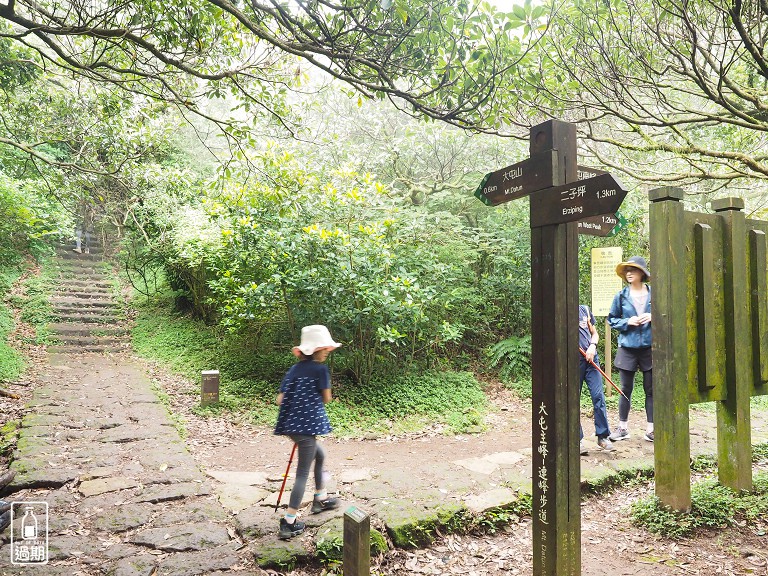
(512, 356)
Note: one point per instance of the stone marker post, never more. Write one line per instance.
(209, 390)
(357, 542)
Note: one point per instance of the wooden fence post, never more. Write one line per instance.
(672, 448)
(209, 387)
(734, 435)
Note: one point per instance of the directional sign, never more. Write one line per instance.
(521, 179)
(585, 172)
(576, 201)
(620, 226)
(518, 180)
(598, 225)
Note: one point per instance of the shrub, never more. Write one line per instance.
(11, 363)
(513, 355)
(712, 506)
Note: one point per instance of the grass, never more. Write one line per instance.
(11, 363)
(250, 378)
(34, 302)
(712, 506)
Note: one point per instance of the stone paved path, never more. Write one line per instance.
(124, 495)
(126, 498)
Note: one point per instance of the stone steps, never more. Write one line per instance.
(78, 340)
(88, 316)
(84, 317)
(59, 302)
(77, 292)
(93, 285)
(85, 329)
(93, 257)
(93, 250)
(86, 348)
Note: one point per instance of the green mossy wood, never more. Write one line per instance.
(710, 334)
(669, 349)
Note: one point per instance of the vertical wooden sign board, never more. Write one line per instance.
(209, 387)
(555, 369)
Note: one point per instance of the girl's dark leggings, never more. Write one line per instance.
(627, 379)
(309, 450)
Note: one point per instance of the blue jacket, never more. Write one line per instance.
(622, 310)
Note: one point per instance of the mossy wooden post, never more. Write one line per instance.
(672, 448)
(555, 372)
(357, 542)
(734, 438)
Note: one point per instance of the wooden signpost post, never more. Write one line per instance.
(558, 200)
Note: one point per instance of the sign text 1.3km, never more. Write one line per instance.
(575, 201)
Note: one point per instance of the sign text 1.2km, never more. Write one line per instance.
(576, 201)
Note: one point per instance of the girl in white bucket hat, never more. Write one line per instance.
(304, 391)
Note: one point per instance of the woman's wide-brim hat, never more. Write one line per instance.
(314, 338)
(634, 262)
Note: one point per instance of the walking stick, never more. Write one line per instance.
(603, 373)
(285, 477)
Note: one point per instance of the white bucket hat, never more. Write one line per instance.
(313, 338)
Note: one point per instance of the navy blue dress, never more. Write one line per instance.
(302, 410)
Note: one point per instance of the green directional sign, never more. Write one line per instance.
(620, 225)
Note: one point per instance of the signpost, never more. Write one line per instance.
(576, 201)
(602, 225)
(521, 179)
(557, 201)
(518, 180)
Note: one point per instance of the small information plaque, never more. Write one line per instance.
(605, 282)
(209, 391)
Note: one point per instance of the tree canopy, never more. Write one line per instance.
(671, 91)
(445, 60)
(677, 80)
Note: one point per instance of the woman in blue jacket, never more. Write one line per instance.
(630, 315)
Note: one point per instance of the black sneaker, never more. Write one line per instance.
(322, 505)
(5, 520)
(288, 531)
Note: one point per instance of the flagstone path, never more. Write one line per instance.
(126, 496)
